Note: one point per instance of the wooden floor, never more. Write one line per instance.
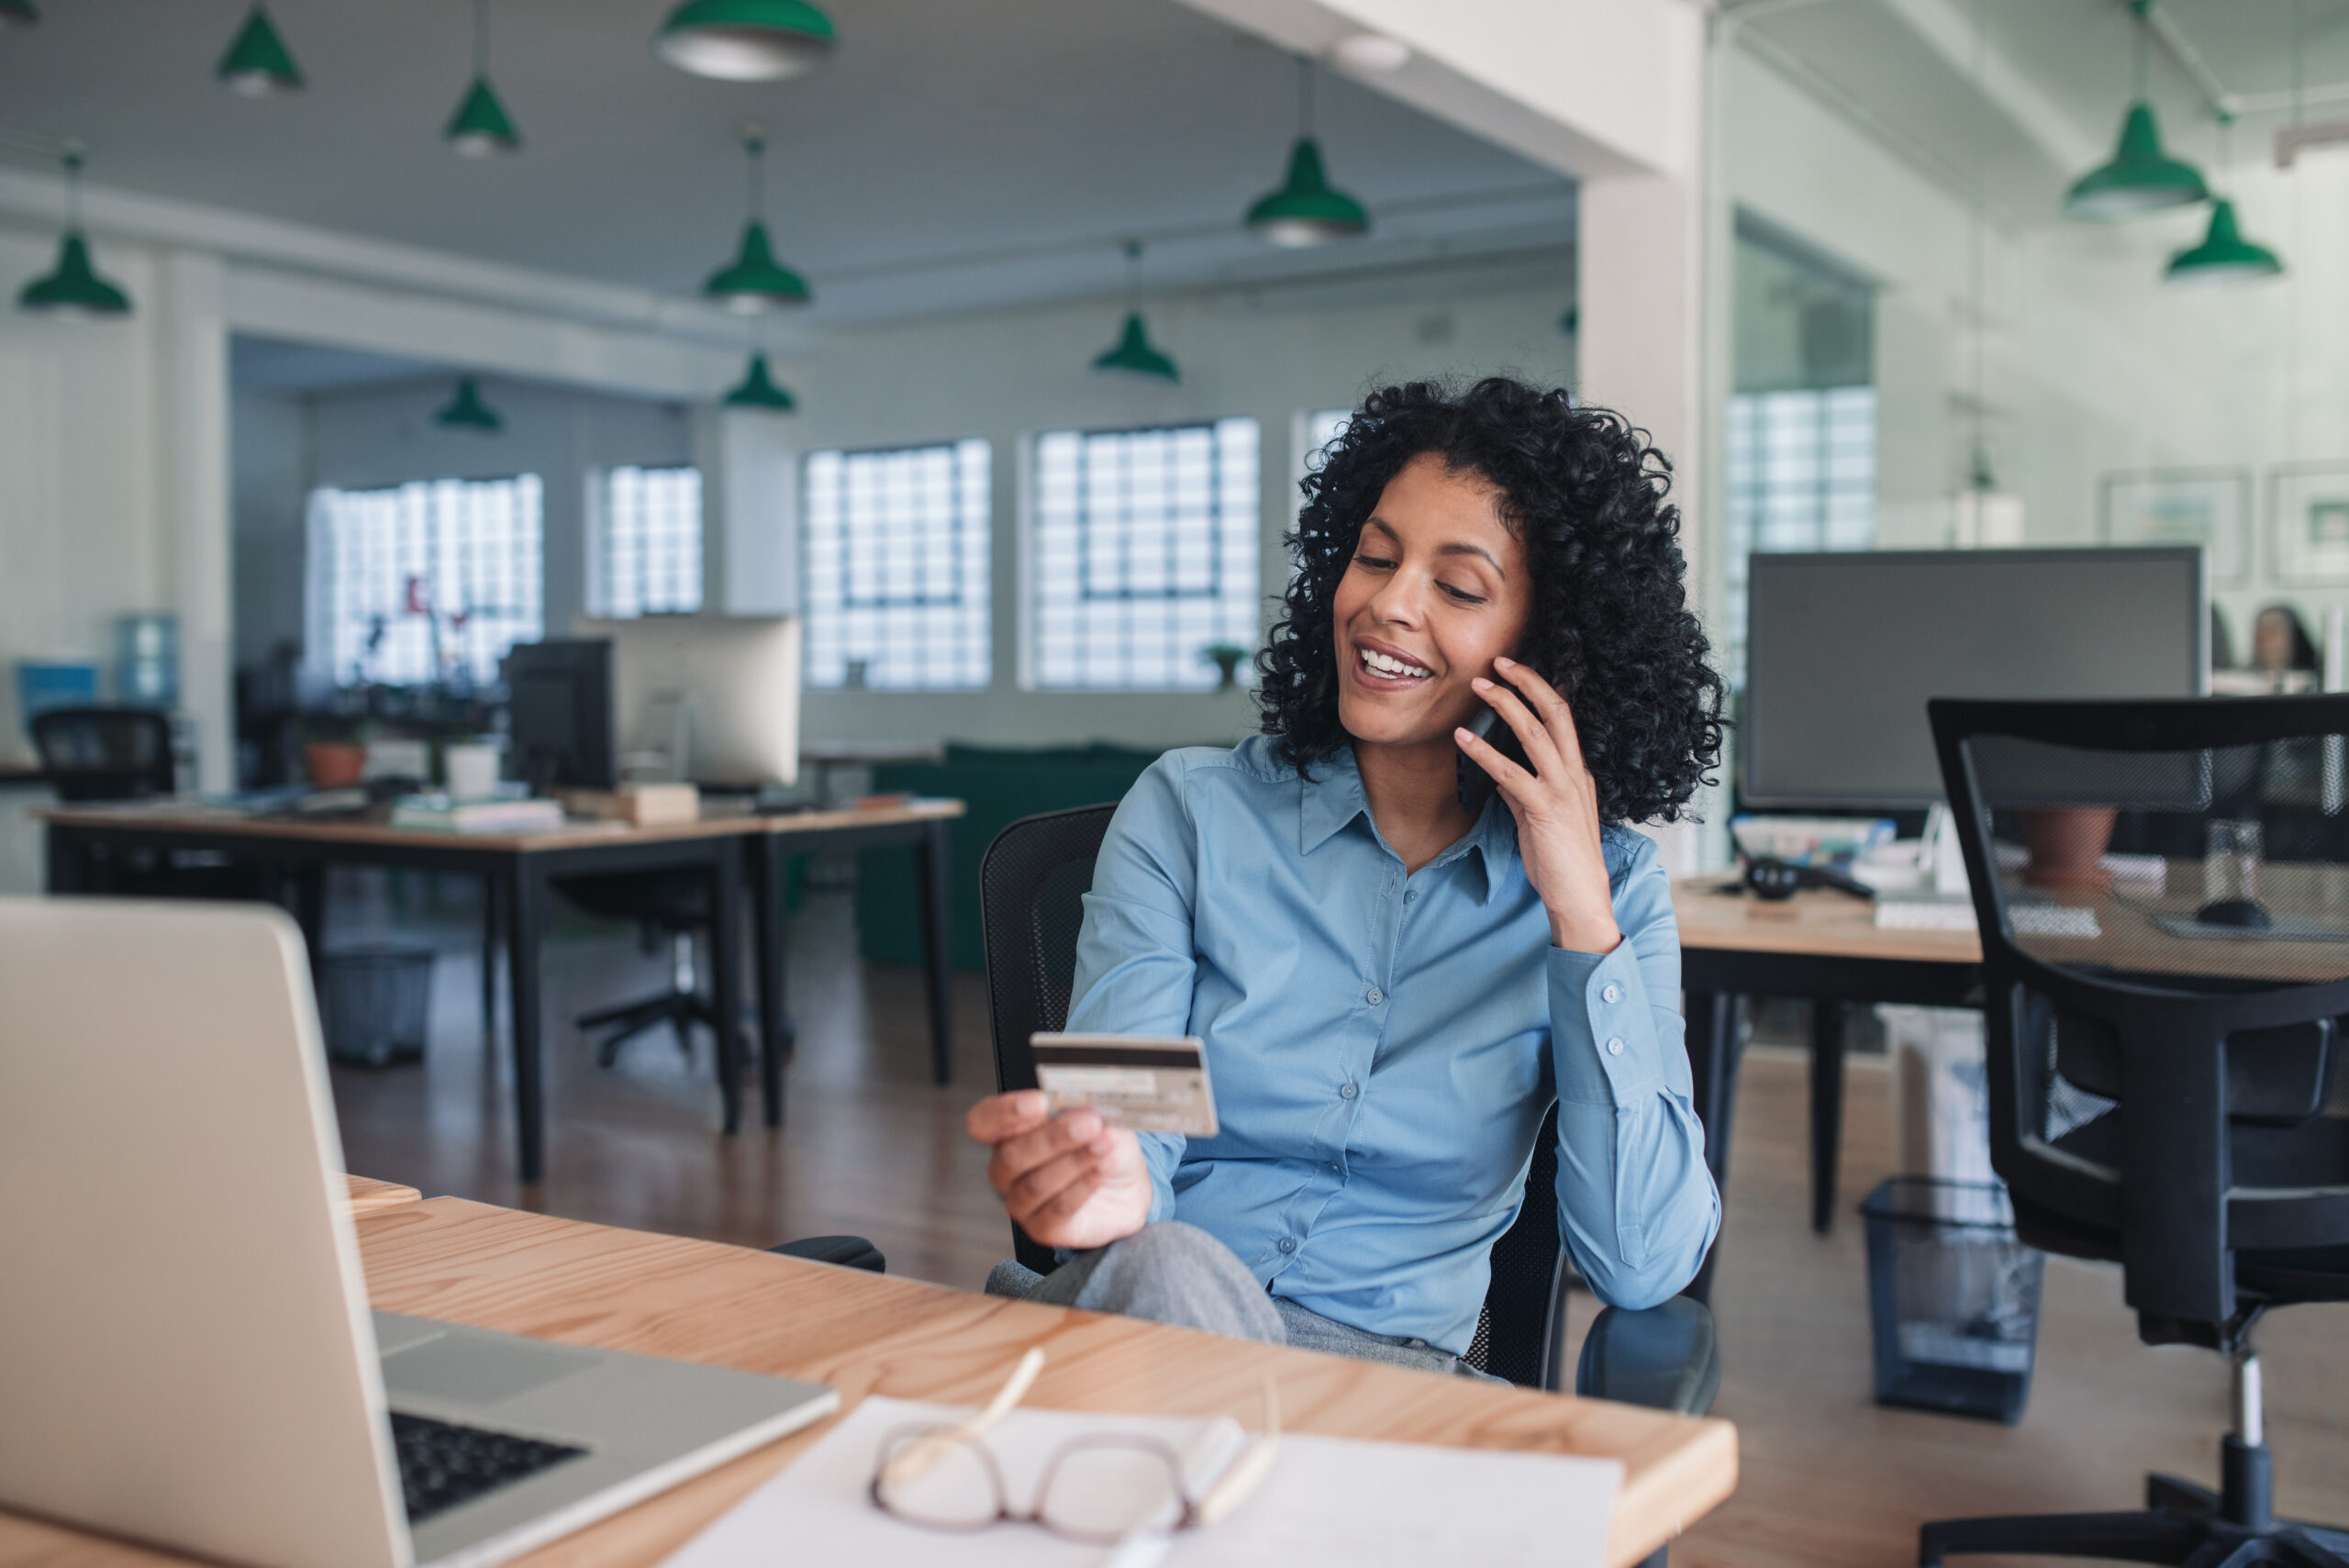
(871, 1147)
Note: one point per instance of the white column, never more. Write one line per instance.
(750, 513)
(192, 383)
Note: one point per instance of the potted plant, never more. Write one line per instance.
(1226, 657)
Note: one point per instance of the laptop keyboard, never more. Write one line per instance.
(444, 1464)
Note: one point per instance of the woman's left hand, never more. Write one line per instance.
(1556, 806)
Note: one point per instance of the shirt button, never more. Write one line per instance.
(1288, 1243)
(1348, 1091)
(1612, 994)
(1615, 1046)
(1375, 996)
(1412, 896)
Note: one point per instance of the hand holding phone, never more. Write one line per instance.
(1477, 786)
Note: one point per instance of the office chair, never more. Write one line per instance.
(2163, 1035)
(104, 754)
(675, 904)
(1031, 884)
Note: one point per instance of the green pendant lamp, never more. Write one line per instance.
(466, 411)
(72, 289)
(754, 280)
(2140, 177)
(258, 64)
(1307, 210)
(2225, 258)
(480, 125)
(1133, 353)
(758, 390)
(745, 41)
(18, 13)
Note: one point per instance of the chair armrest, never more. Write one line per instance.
(848, 1252)
(1666, 1358)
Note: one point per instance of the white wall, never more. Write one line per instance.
(2093, 366)
(1008, 377)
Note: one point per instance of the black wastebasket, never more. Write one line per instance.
(1954, 1298)
(374, 1003)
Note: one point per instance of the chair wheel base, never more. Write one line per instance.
(2182, 1526)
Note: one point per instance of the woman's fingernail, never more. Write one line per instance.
(1504, 662)
(1480, 683)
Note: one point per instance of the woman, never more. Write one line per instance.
(1394, 989)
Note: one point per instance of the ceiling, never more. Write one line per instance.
(950, 157)
(2073, 56)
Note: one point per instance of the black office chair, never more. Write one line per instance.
(91, 754)
(669, 906)
(2162, 1043)
(1031, 887)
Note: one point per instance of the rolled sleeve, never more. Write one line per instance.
(1637, 1207)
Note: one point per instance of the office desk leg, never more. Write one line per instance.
(768, 862)
(1714, 1049)
(1826, 1020)
(726, 978)
(525, 899)
(489, 921)
(310, 914)
(935, 910)
(69, 860)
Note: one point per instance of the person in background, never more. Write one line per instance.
(2280, 643)
(1397, 980)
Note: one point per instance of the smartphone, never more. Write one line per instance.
(1477, 786)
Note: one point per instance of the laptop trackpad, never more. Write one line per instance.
(477, 1372)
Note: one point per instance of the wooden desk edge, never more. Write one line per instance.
(368, 1196)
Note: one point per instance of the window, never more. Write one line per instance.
(1146, 553)
(1321, 428)
(652, 542)
(1801, 475)
(428, 581)
(1799, 434)
(897, 545)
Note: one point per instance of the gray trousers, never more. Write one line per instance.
(1178, 1274)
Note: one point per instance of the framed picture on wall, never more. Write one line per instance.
(2209, 506)
(2310, 516)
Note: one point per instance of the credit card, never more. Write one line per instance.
(1149, 1082)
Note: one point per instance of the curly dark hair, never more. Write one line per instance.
(1610, 626)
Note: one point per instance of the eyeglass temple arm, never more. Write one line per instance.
(1244, 1475)
(926, 1450)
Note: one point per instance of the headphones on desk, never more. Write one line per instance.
(1774, 881)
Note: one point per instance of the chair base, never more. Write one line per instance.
(681, 1010)
(2182, 1524)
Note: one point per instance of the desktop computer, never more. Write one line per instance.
(706, 699)
(1844, 650)
(559, 695)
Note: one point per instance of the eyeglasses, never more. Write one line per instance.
(1104, 1488)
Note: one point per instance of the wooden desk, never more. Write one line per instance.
(1821, 945)
(518, 871)
(865, 1334)
(369, 1195)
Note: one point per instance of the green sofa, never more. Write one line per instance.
(1001, 785)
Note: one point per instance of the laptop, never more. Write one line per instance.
(186, 1353)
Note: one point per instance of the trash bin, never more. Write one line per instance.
(374, 1003)
(1952, 1296)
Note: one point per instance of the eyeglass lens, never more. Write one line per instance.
(1107, 1488)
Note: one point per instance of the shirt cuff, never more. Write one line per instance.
(1601, 1027)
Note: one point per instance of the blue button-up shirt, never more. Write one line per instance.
(1383, 1045)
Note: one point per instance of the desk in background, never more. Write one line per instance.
(518, 871)
(1820, 945)
(558, 1279)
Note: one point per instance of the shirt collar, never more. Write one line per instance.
(1330, 797)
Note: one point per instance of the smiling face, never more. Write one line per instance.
(1438, 587)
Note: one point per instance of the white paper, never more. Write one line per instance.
(1327, 1500)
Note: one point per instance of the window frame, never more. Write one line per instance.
(969, 537)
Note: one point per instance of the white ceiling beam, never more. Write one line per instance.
(1594, 89)
(1949, 31)
(37, 203)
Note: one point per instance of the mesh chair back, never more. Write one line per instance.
(106, 754)
(2163, 892)
(1032, 887)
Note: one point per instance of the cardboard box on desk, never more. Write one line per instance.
(641, 806)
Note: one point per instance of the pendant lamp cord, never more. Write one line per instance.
(481, 39)
(71, 159)
(754, 156)
(1304, 96)
(2140, 8)
(1134, 275)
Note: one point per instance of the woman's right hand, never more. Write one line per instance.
(1070, 1180)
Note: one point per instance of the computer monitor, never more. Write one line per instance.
(1842, 651)
(559, 696)
(728, 685)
